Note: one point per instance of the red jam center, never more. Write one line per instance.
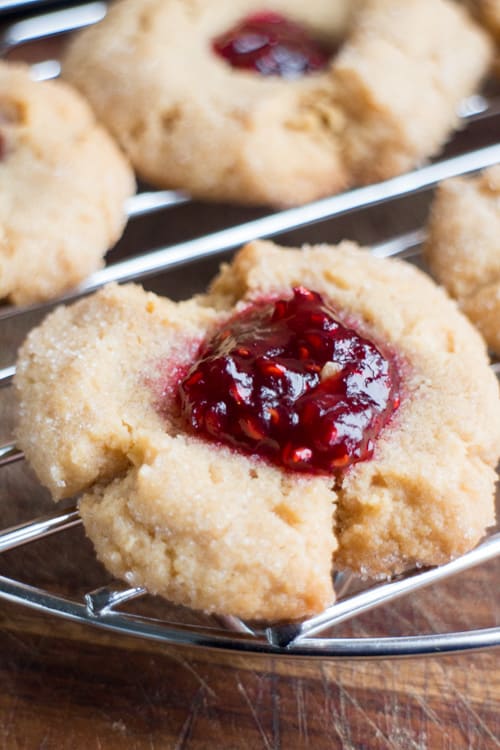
(271, 45)
(289, 382)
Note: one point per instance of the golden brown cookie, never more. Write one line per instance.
(488, 12)
(463, 250)
(386, 101)
(63, 186)
(219, 527)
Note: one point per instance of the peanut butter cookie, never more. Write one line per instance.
(317, 408)
(63, 186)
(282, 102)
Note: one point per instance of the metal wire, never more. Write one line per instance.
(99, 607)
(13, 5)
(9, 454)
(52, 24)
(162, 259)
(403, 246)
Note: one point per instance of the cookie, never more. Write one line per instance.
(462, 247)
(174, 503)
(193, 113)
(63, 186)
(488, 12)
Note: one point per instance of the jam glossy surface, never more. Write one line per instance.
(287, 381)
(270, 44)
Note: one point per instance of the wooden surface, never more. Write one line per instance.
(66, 687)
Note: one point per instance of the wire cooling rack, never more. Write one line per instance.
(111, 606)
(11, 6)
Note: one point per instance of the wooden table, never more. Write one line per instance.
(66, 686)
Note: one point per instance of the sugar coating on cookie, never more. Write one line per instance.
(462, 247)
(63, 186)
(188, 119)
(214, 528)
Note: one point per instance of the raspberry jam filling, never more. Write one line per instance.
(271, 45)
(287, 381)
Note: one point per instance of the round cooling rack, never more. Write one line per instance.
(100, 608)
(352, 648)
(109, 607)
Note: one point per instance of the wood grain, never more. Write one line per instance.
(66, 686)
